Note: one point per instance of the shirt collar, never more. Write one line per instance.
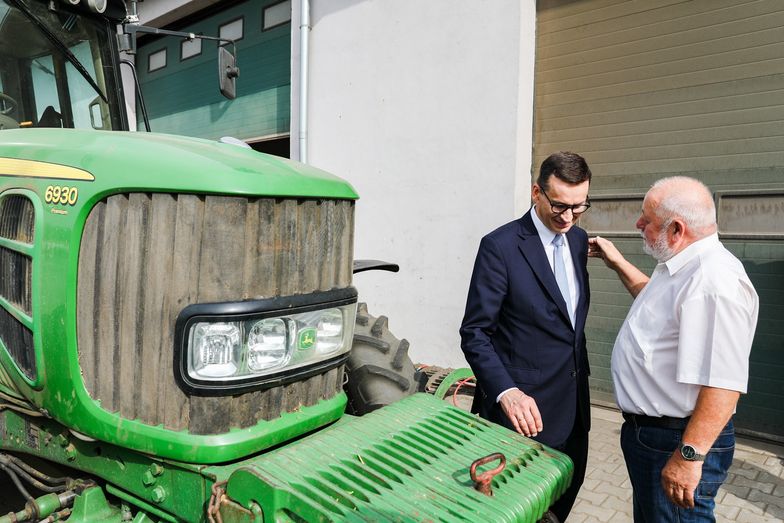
(680, 260)
(545, 235)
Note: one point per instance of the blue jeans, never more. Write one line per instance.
(646, 451)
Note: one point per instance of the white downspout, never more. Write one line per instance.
(304, 36)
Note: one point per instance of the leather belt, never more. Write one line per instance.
(663, 422)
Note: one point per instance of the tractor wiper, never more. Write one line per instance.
(60, 46)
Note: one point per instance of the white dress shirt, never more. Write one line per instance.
(547, 236)
(692, 325)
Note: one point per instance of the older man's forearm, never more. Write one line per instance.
(632, 278)
(713, 410)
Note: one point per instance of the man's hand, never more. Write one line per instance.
(714, 409)
(522, 412)
(603, 248)
(680, 479)
(631, 277)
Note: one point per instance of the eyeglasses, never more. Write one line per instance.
(560, 208)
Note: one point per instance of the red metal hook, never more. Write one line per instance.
(482, 481)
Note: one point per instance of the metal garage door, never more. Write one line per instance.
(645, 89)
(179, 78)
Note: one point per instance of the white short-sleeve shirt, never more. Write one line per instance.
(692, 325)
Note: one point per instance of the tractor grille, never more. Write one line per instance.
(17, 221)
(406, 462)
(18, 339)
(144, 257)
(16, 276)
(17, 218)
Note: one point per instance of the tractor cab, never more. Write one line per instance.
(57, 68)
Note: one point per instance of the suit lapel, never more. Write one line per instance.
(576, 248)
(533, 252)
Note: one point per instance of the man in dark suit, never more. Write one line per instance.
(522, 333)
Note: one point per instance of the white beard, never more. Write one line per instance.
(659, 249)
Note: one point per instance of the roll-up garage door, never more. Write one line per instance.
(647, 89)
(180, 82)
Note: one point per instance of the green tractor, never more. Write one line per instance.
(179, 334)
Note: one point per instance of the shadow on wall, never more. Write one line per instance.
(219, 109)
(761, 410)
(325, 9)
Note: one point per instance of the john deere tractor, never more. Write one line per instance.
(178, 324)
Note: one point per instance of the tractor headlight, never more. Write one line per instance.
(224, 348)
(215, 350)
(268, 344)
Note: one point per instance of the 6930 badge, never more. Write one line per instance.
(61, 195)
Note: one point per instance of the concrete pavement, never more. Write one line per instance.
(753, 492)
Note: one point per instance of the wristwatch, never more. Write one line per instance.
(689, 453)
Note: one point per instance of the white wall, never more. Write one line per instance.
(426, 108)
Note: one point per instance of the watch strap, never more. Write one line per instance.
(689, 453)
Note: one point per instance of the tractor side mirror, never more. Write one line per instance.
(227, 62)
(227, 73)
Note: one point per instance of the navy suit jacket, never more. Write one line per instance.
(516, 330)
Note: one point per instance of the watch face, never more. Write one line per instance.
(688, 452)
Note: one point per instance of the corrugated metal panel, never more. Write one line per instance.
(649, 89)
(406, 462)
(145, 257)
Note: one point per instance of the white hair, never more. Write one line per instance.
(688, 199)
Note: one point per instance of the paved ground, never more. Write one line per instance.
(753, 493)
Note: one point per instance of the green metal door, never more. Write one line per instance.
(651, 89)
(179, 78)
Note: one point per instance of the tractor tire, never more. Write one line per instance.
(379, 370)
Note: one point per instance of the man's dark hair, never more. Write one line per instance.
(566, 166)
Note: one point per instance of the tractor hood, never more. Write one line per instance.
(165, 163)
(111, 211)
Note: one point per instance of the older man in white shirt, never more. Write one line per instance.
(681, 358)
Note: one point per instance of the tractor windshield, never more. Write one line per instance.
(56, 68)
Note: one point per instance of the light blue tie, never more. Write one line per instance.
(559, 268)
